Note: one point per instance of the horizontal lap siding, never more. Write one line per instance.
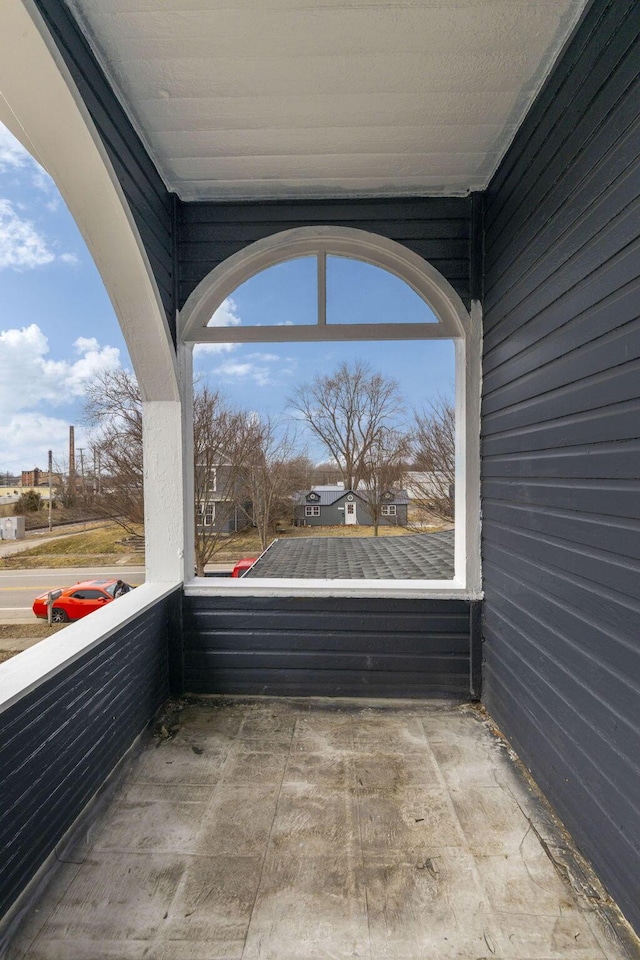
(60, 741)
(327, 647)
(561, 443)
(149, 201)
(436, 228)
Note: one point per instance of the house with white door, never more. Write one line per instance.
(331, 505)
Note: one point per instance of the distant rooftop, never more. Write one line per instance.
(421, 556)
(329, 493)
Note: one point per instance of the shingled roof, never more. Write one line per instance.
(421, 556)
(328, 494)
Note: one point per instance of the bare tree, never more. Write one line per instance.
(114, 409)
(327, 472)
(223, 450)
(434, 457)
(347, 411)
(222, 445)
(276, 470)
(385, 465)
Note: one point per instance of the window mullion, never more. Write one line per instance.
(322, 288)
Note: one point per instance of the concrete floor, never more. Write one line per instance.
(298, 830)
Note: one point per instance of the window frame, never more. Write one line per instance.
(312, 509)
(455, 322)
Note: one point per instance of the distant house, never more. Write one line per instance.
(332, 505)
(219, 508)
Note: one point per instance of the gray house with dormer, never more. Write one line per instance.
(331, 505)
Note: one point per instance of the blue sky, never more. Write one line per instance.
(57, 325)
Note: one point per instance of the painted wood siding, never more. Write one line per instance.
(436, 228)
(60, 741)
(151, 204)
(561, 443)
(327, 647)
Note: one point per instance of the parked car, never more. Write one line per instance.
(242, 566)
(73, 603)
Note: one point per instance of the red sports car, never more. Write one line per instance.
(72, 603)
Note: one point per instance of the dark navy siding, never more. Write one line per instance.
(561, 443)
(146, 194)
(327, 646)
(436, 228)
(59, 742)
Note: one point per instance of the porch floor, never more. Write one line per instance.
(317, 829)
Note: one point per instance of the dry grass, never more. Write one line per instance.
(17, 632)
(94, 546)
(37, 630)
(342, 530)
(248, 543)
(101, 546)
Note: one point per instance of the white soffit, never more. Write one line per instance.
(256, 99)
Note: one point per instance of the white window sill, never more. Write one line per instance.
(262, 587)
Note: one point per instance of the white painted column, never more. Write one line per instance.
(162, 441)
(185, 377)
(472, 451)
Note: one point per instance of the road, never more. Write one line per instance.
(18, 588)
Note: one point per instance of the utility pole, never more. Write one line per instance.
(83, 488)
(81, 452)
(72, 465)
(96, 468)
(50, 485)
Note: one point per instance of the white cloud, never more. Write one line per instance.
(22, 247)
(203, 349)
(257, 367)
(28, 378)
(12, 153)
(26, 438)
(84, 344)
(266, 357)
(225, 316)
(42, 181)
(14, 156)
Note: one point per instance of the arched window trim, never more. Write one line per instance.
(360, 245)
(454, 322)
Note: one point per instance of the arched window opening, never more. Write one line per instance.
(346, 358)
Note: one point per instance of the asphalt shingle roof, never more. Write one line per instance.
(329, 495)
(421, 556)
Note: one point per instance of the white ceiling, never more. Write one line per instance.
(239, 99)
